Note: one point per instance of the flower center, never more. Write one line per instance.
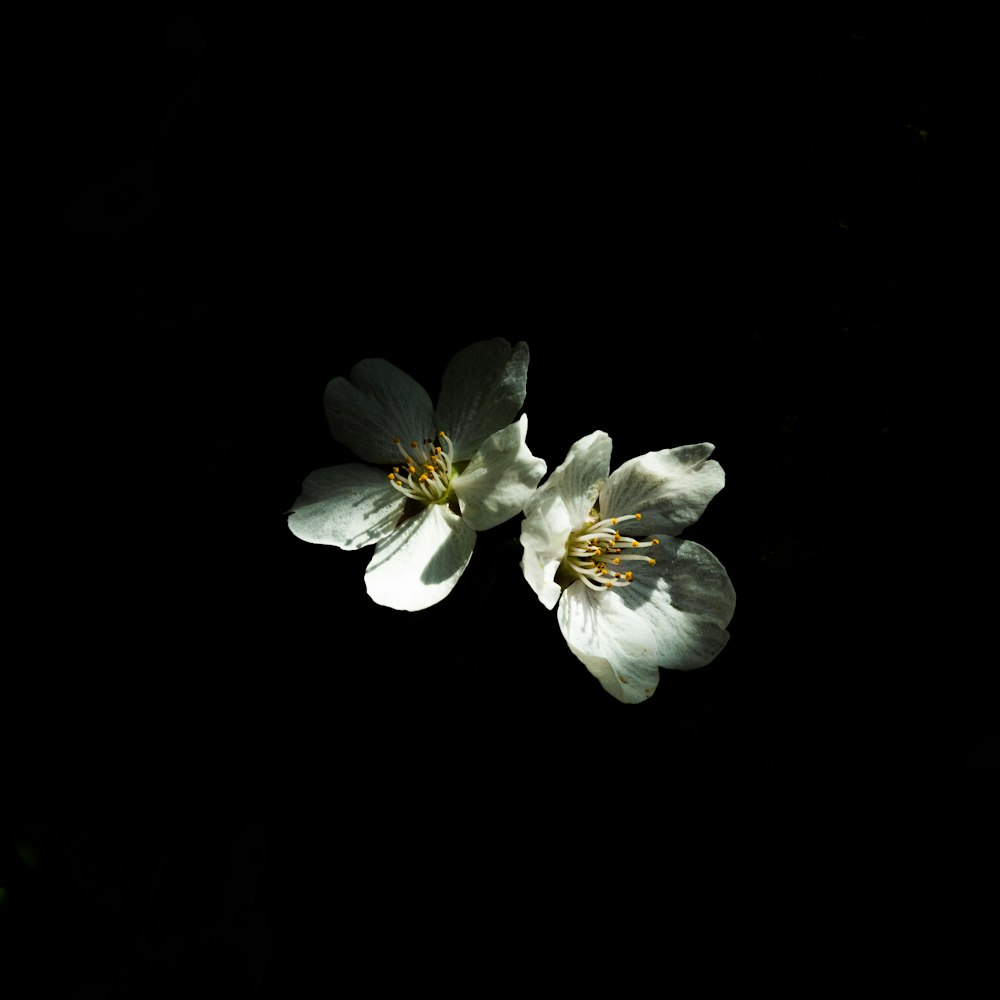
(597, 551)
(426, 474)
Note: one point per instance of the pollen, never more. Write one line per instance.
(429, 470)
(594, 538)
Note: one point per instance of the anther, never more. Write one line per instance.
(598, 537)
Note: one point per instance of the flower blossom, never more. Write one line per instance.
(631, 596)
(437, 475)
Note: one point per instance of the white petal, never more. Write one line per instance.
(579, 479)
(378, 404)
(670, 488)
(613, 642)
(543, 537)
(349, 506)
(687, 599)
(482, 389)
(501, 477)
(420, 562)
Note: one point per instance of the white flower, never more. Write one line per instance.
(446, 472)
(631, 597)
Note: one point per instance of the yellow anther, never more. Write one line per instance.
(437, 449)
(652, 562)
(614, 520)
(655, 541)
(609, 585)
(618, 536)
(412, 468)
(395, 468)
(618, 576)
(628, 575)
(441, 434)
(616, 560)
(635, 545)
(638, 517)
(392, 475)
(423, 478)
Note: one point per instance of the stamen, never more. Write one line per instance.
(429, 470)
(597, 537)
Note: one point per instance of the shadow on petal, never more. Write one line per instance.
(452, 554)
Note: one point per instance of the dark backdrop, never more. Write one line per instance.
(742, 235)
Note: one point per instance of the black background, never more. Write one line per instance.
(747, 235)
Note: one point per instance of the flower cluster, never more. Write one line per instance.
(602, 548)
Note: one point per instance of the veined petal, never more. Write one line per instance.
(687, 599)
(349, 506)
(543, 537)
(378, 404)
(671, 488)
(500, 478)
(579, 479)
(420, 562)
(615, 644)
(482, 389)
